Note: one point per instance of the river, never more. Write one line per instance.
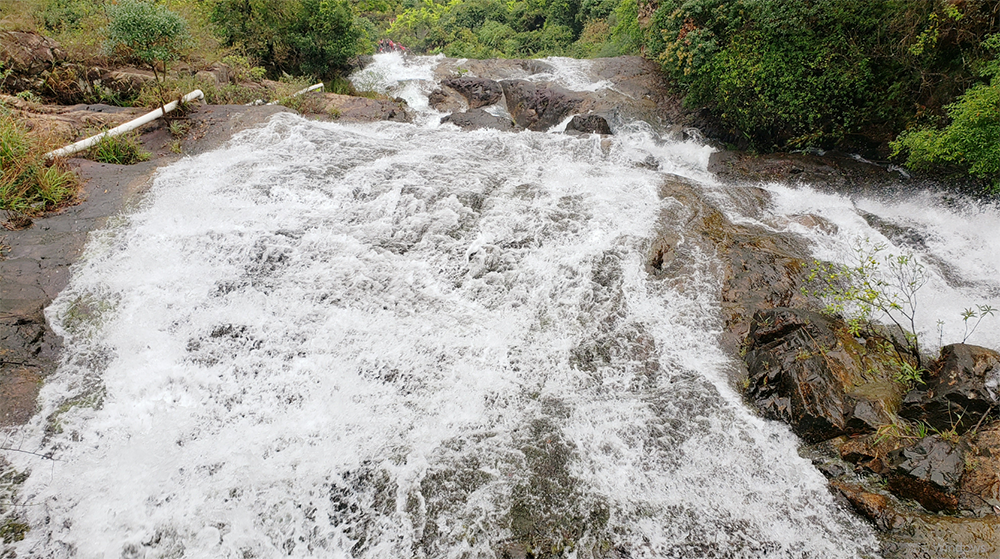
(406, 340)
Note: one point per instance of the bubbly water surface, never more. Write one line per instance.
(390, 341)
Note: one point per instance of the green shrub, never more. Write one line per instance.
(971, 140)
(324, 37)
(291, 36)
(148, 33)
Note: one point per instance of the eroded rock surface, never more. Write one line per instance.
(362, 109)
(479, 92)
(803, 370)
(963, 387)
(537, 107)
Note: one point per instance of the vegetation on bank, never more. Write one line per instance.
(28, 184)
(788, 74)
(917, 80)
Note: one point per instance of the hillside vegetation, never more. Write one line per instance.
(918, 80)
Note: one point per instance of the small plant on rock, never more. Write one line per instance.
(878, 286)
(149, 33)
(125, 149)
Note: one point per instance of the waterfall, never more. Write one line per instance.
(395, 340)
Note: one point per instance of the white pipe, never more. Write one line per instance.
(127, 127)
(300, 92)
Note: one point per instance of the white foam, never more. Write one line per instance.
(322, 340)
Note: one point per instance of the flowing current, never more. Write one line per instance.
(405, 340)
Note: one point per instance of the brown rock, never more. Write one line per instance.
(980, 486)
(879, 509)
(803, 370)
(479, 92)
(478, 118)
(962, 389)
(538, 107)
(929, 473)
(28, 53)
(589, 124)
(447, 100)
(362, 109)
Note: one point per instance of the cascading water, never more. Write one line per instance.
(388, 340)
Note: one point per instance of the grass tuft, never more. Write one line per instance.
(29, 185)
(125, 149)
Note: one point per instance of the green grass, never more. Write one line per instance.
(125, 149)
(28, 184)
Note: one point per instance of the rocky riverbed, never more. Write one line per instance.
(936, 491)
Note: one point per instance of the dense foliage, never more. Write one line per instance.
(972, 139)
(791, 73)
(517, 28)
(315, 37)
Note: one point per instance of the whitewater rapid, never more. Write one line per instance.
(394, 340)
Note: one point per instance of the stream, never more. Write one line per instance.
(395, 340)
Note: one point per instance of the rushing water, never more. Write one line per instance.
(392, 340)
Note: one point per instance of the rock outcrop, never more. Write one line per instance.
(362, 109)
(803, 369)
(478, 92)
(478, 118)
(963, 388)
(537, 107)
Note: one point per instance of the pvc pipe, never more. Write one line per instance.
(127, 127)
(313, 87)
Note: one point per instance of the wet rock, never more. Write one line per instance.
(875, 507)
(962, 389)
(478, 118)
(870, 453)
(589, 124)
(362, 109)
(761, 269)
(28, 351)
(912, 534)
(479, 92)
(538, 107)
(979, 491)
(929, 473)
(802, 370)
(446, 100)
(837, 171)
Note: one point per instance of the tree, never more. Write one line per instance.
(148, 33)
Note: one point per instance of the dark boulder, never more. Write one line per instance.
(802, 369)
(589, 124)
(538, 107)
(476, 119)
(962, 389)
(479, 92)
(928, 472)
(446, 101)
